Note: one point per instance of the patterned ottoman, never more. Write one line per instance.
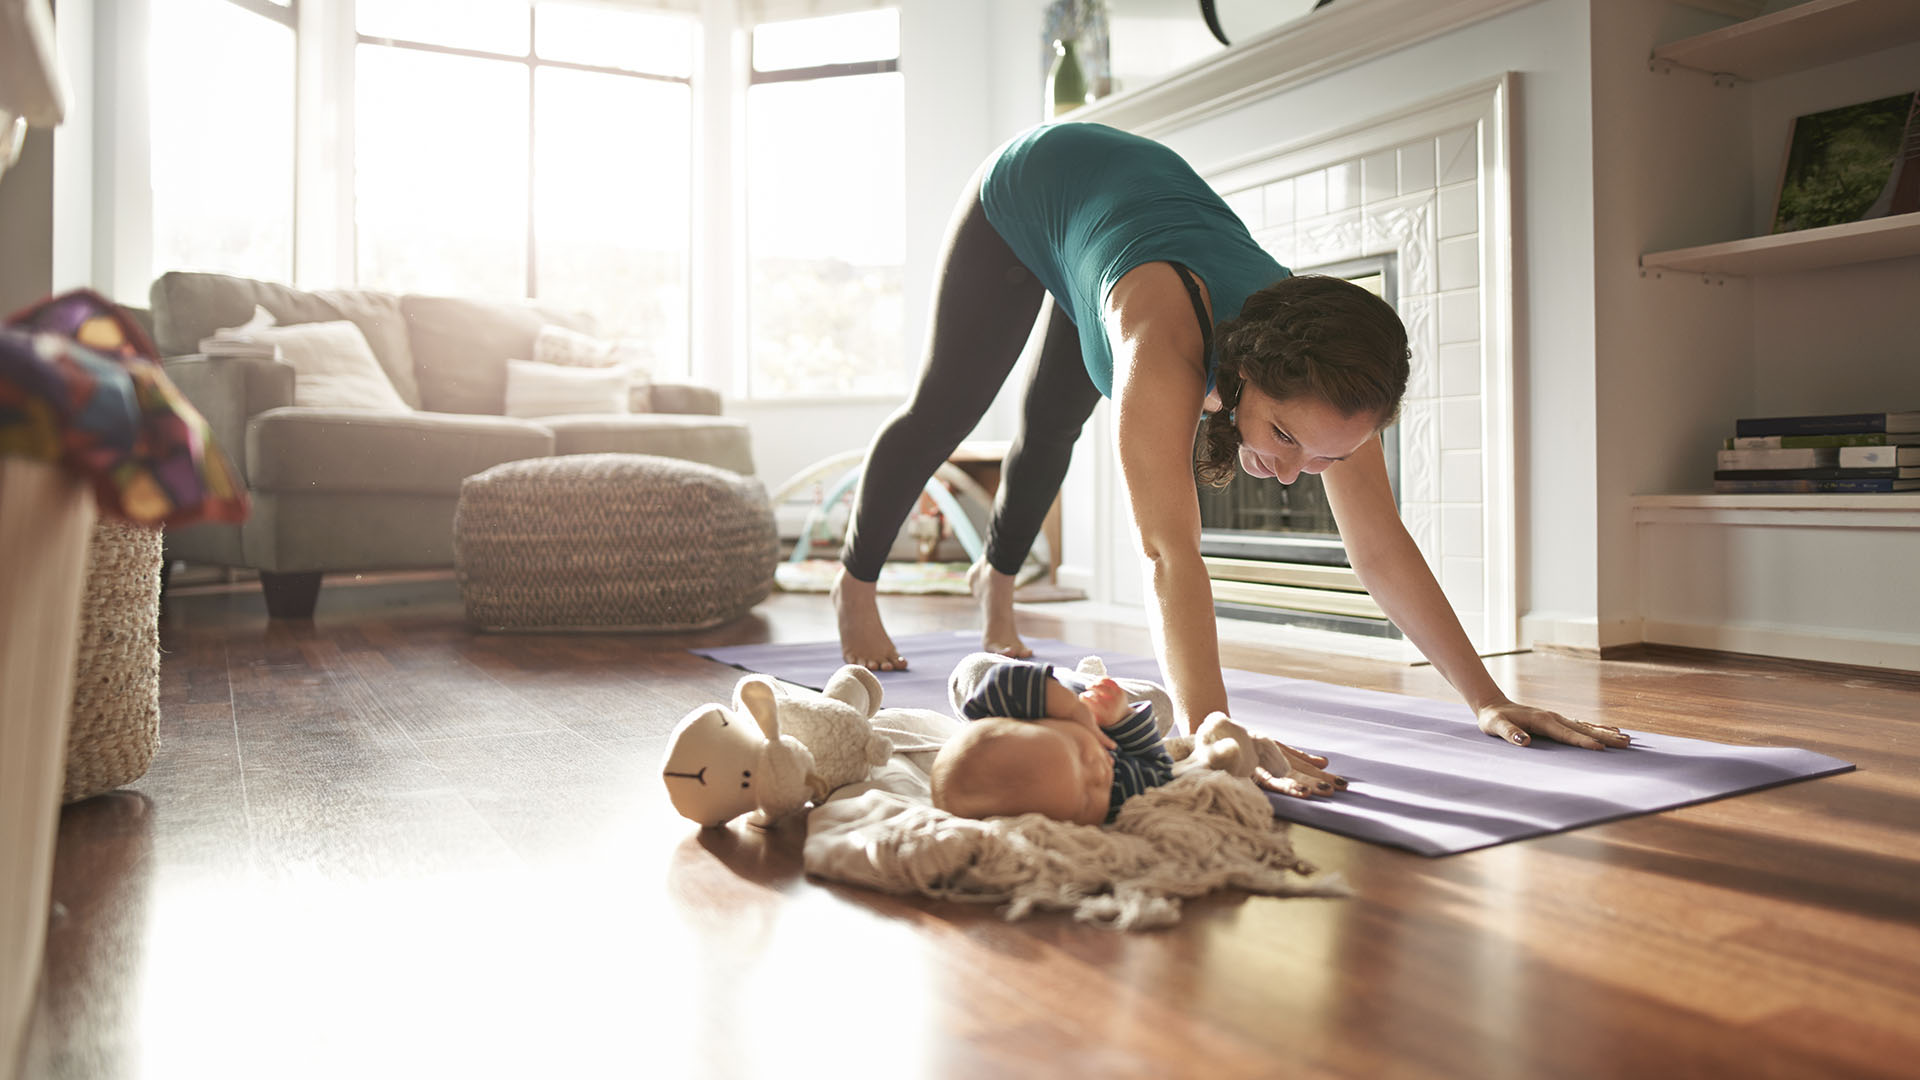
(612, 542)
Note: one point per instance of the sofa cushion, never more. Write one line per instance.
(333, 367)
(461, 348)
(315, 450)
(712, 440)
(295, 531)
(571, 348)
(682, 397)
(536, 389)
(190, 306)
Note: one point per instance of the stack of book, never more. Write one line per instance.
(244, 340)
(1856, 452)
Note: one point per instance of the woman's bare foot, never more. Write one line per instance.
(994, 591)
(863, 637)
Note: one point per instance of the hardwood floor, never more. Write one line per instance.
(381, 845)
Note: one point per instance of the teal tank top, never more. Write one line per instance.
(1082, 204)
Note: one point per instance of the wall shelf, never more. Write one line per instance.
(1808, 249)
(1891, 500)
(1827, 577)
(1886, 510)
(1801, 37)
(1818, 577)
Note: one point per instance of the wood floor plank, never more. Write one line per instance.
(383, 844)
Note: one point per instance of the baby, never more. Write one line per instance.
(1039, 744)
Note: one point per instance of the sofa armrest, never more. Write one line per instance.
(229, 391)
(683, 397)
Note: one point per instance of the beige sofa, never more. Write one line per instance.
(351, 490)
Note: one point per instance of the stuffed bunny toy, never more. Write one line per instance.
(777, 749)
(835, 724)
(723, 762)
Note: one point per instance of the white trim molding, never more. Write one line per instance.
(1287, 56)
(1897, 510)
(1430, 185)
(1841, 584)
(1898, 652)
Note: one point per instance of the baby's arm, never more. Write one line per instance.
(1028, 691)
(1140, 760)
(1022, 691)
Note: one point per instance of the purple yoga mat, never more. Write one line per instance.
(1422, 775)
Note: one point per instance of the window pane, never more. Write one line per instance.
(613, 199)
(658, 43)
(831, 39)
(487, 25)
(222, 164)
(440, 165)
(826, 227)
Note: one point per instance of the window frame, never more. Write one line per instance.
(283, 11)
(532, 62)
(757, 76)
(130, 265)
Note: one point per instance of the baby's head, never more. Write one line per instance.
(1001, 767)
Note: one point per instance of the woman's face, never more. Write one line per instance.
(1284, 437)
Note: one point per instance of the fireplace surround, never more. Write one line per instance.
(1425, 190)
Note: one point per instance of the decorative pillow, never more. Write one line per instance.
(536, 389)
(333, 366)
(571, 348)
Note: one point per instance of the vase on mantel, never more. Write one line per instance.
(1066, 81)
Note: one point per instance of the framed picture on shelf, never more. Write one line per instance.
(1851, 164)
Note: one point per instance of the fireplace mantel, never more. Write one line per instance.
(1344, 35)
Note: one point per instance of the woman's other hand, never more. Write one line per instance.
(1518, 723)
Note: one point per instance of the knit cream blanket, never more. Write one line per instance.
(1204, 831)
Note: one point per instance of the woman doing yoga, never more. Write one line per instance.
(1131, 259)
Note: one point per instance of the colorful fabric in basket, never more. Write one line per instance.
(81, 387)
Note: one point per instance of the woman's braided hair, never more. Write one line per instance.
(1310, 334)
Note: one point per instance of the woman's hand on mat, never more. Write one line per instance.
(1281, 769)
(1518, 724)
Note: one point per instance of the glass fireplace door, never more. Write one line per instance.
(1273, 550)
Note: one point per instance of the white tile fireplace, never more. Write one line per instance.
(1429, 188)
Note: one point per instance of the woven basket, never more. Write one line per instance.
(116, 689)
(612, 542)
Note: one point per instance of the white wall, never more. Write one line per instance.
(788, 436)
(26, 223)
(1015, 80)
(1149, 38)
(72, 264)
(1670, 170)
(122, 200)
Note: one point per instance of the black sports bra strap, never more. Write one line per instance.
(1200, 313)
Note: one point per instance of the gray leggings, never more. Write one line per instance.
(985, 305)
